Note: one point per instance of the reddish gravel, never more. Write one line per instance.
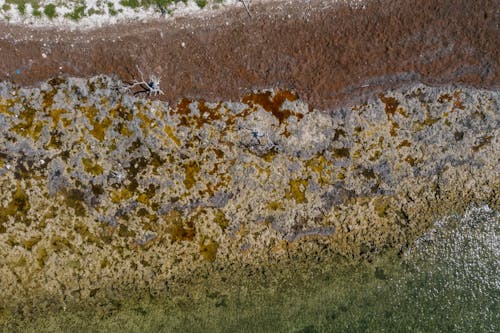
(327, 53)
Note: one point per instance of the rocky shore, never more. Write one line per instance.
(104, 192)
(288, 142)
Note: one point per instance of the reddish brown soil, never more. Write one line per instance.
(327, 53)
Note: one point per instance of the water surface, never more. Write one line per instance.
(446, 282)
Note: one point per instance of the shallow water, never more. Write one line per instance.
(446, 282)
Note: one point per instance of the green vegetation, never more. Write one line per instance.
(111, 9)
(79, 7)
(21, 7)
(147, 3)
(77, 13)
(163, 3)
(130, 3)
(201, 3)
(50, 11)
(93, 11)
(36, 9)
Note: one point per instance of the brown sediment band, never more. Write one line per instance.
(326, 52)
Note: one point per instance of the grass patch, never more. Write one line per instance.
(93, 11)
(163, 3)
(21, 7)
(149, 3)
(130, 3)
(81, 10)
(111, 9)
(36, 10)
(201, 3)
(77, 13)
(50, 11)
(160, 3)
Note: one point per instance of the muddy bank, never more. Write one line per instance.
(328, 53)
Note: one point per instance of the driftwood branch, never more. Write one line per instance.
(246, 7)
(150, 87)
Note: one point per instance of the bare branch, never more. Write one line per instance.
(246, 7)
(142, 75)
(151, 87)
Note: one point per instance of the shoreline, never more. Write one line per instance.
(306, 134)
(354, 183)
(226, 301)
(325, 55)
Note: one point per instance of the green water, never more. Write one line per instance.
(446, 282)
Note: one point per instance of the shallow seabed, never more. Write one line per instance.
(446, 282)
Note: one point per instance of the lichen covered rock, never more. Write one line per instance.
(102, 191)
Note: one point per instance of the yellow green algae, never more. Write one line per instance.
(125, 192)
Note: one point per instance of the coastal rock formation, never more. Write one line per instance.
(106, 192)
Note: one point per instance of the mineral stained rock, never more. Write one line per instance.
(102, 191)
